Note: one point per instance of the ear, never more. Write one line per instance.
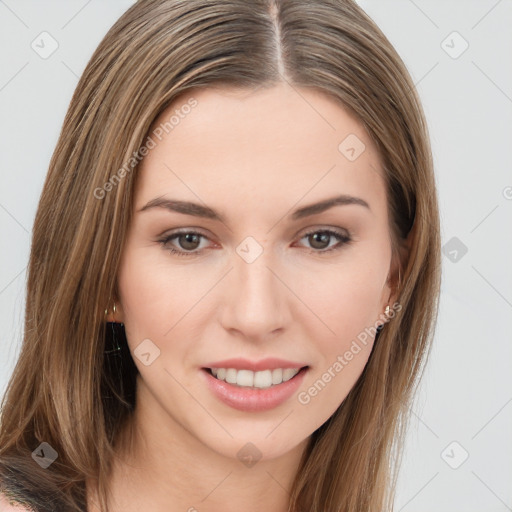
(398, 266)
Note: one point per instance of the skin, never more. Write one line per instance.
(255, 157)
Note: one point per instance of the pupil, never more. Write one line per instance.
(324, 239)
(189, 238)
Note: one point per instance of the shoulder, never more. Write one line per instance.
(7, 506)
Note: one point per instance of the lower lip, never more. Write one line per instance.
(250, 399)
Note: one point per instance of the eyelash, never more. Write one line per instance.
(343, 238)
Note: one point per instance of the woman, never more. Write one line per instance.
(235, 269)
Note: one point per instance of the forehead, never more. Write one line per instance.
(274, 143)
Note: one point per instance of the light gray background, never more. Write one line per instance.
(464, 405)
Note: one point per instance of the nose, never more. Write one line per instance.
(255, 302)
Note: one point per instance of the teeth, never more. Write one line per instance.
(247, 378)
(277, 376)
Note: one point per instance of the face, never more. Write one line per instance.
(243, 276)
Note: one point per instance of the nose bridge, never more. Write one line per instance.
(255, 303)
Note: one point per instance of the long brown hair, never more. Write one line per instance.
(65, 390)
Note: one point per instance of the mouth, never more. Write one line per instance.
(263, 379)
(254, 391)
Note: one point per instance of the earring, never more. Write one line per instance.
(113, 312)
(112, 338)
(387, 310)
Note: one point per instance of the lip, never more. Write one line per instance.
(251, 399)
(270, 363)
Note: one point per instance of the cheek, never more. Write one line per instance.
(154, 296)
(348, 308)
(345, 298)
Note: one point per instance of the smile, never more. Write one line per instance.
(249, 379)
(256, 391)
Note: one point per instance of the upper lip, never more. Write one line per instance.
(270, 363)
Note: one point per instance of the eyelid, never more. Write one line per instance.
(188, 229)
(316, 229)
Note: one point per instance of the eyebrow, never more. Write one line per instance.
(198, 210)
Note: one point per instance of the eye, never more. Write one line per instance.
(189, 241)
(319, 239)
